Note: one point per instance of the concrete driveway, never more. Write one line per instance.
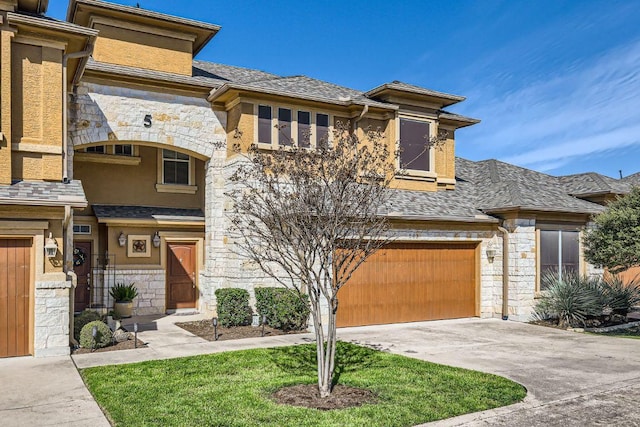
(573, 379)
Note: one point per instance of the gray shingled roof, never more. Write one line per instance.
(147, 212)
(590, 183)
(306, 88)
(501, 186)
(39, 193)
(457, 205)
(632, 179)
(228, 73)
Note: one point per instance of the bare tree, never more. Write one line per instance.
(310, 217)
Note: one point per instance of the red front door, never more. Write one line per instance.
(181, 275)
(82, 268)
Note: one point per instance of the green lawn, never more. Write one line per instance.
(233, 389)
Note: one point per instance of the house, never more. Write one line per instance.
(115, 154)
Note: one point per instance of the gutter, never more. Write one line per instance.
(505, 272)
(65, 137)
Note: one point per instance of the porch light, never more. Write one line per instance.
(122, 239)
(51, 247)
(156, 240)
(491, 253)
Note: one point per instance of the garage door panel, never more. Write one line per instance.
(14, 297)
(409, 282)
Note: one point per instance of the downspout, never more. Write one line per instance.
(505, 272)
(65, 58)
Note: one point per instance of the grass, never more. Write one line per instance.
(234, 388)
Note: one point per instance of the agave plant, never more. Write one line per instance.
(570, 300)
(620, 297)
(123, 293)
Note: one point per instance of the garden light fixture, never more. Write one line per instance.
(215, 328)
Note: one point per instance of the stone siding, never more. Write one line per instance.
(151, 285)
(52, 318)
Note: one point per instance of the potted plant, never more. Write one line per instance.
(123, 296)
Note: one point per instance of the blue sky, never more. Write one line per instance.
(556, 83)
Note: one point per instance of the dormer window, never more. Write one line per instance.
(415, 151)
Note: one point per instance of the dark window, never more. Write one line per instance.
(95, 149)
(304, 129)
(414, 145)
(123, 149)
(264, 124)
(559, 253)
(175, 168)
(284, 126)
(322, 128)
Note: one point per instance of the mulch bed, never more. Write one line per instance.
(307, 395)
(204, 329)
(125, 345)
(594, 322)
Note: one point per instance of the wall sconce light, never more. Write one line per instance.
(122, 239)
(156, 240)
(51, 247)
(491, 253)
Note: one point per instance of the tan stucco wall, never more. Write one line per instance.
(138, 49)
(116, 184)
(242, 117)
(5, 106)
(36, 112)
(51, 217)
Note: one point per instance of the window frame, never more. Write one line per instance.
(275, 131)
(409, 173)
(162, 187)
(560, 229)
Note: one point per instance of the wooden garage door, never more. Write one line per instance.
(14, 297)
(409, 283)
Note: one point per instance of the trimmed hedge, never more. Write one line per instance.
(82, 319)
(103, 338)
(284, 308)
(233, 307)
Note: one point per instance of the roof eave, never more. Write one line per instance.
(216, 93)
(446, 98)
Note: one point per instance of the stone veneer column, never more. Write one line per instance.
(522, 267)
(52, 318)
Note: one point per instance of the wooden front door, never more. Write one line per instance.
(15, 279)
(82, 268)
(408, 282)
(181, 275)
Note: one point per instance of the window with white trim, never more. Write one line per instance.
(99, 149)
(81, 229)
(559, 253)
(279, 126)
(176, 168)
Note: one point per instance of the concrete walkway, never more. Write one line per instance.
(45, 392)
(572, 379)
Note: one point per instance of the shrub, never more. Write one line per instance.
(620, 297)
(570, 300)
(123, 293)
(233, 307)
(82, 319)
(103, 338)
(284, 308)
